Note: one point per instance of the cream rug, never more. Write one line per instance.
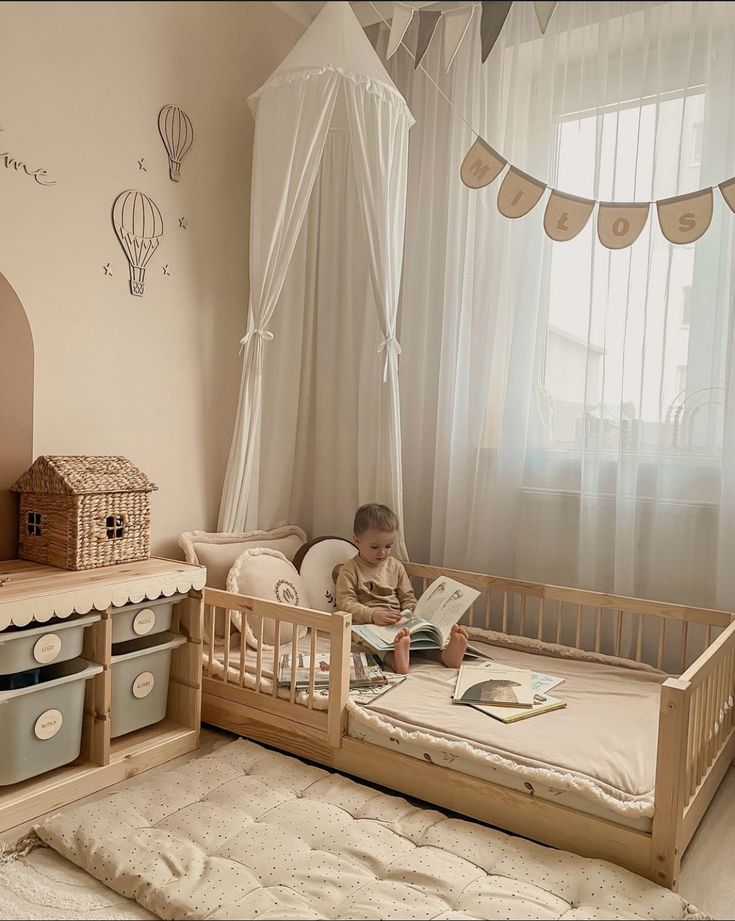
(41, 884)
(250, 833)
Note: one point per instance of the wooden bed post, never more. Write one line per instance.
(671, 778)
(339, 679)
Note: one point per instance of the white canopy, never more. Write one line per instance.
(332, 78)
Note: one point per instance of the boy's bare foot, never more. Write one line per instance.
(402, 651)
(454, 653)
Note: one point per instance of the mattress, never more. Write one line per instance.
(598, 755)
(250, 833)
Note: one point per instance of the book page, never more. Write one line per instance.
(444, 602)
(415, 625)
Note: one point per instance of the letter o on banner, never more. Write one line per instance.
(481, 165)
(619, 224)
(518, 193)
(566, 216)
(685, 218)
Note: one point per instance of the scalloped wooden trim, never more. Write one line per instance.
(99, 597)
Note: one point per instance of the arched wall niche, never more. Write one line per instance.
(16, 410)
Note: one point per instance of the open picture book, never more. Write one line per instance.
(438, 609)
(499, 686)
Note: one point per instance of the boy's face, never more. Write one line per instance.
(374, 546)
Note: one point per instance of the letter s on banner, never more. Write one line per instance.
(620, 224)
(685, 218)
(481, 165)
(566, 215)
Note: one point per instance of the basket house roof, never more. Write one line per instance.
(78, 475)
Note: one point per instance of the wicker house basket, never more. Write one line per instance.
(84, 512)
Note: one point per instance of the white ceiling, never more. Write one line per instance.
(305, 10)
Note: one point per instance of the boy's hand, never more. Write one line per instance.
(384, 617)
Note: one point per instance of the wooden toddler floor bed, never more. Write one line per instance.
(695, 733)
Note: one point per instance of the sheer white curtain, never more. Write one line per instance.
(567, 414)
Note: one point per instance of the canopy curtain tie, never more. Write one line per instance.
(388, 345)
(265, 334)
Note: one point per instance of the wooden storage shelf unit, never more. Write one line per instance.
(31, 591)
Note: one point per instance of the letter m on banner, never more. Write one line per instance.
(481, 165)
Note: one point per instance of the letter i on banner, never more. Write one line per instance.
(619, 225)
(566, 216)
(518, 193)
(685, 218)
(481, 165)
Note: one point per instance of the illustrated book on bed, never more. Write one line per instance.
(438, 609)
(499, 686)
(365, 671)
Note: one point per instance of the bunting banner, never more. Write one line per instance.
(494, 14)
(481, 165)
(518, 193)
(402, 16)
(682, 219)
(428, 21)
(685, 218)
(566, 215)
(543, 14)
(372, 32)
(619, 224)
(456, 23)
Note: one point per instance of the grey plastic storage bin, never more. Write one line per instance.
(135, 620)
(41, 725)
(140, 670)
(23, 649)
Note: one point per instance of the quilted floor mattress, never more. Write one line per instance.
(250, 833)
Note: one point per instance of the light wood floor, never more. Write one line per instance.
(706, 879)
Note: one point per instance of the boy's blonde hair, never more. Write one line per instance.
(377, 517)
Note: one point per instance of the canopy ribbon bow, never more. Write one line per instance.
(388, 345)
(265, 334)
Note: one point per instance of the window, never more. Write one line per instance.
(616, 351)
(33, 523)
(115, 525)
(697, 132)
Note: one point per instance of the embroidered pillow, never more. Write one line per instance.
(219, 550)
(317, 562)
(265, 573)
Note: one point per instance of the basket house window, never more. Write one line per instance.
(115, 526)
(34, 523)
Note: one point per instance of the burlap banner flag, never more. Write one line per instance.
(619, 224)
(728, 192)
(481, 165)
(685, 218)
(566, 215)
(518, 193)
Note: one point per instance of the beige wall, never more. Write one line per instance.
(155, 377)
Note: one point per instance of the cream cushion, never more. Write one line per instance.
(316, 562)
(218, 551)
(250, 833)
(264, 573)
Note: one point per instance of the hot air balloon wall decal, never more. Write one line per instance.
(139, 227)
(178, 136)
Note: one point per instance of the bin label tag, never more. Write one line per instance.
(143, 685)
(47, 648)
(48, 724)
(144, 621)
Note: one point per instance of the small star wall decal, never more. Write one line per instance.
(182, 223)
(141, 165)
(165, 270)
(106, 269)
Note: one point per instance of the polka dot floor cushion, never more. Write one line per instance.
(316, 562)
(265, 573)
(219, 550)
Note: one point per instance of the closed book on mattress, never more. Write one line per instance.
(542, 704)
